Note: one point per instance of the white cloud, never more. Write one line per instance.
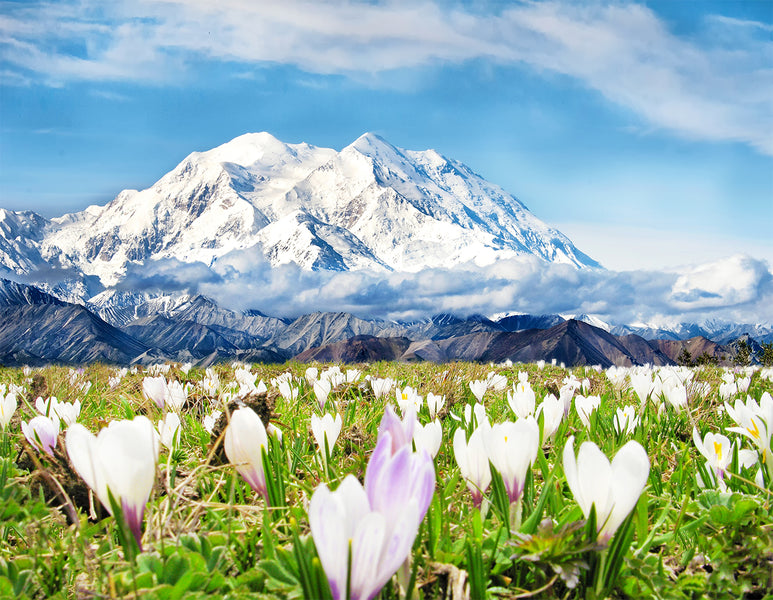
(715, 85)
(732, 281)
(737, 289)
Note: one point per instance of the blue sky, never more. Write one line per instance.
(644, 131)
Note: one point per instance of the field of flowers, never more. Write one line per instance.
(393, 481)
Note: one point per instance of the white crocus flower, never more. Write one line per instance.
(407, 399)
(274, 431)
(210, 420)
(155, 389)
(428, 437)
(435, 404)
(496, 382)
(478, 389)
(617, 376)
(727, 390)
(718, 452)
(475, 416)
(625, 420)
(169, 430)
(333, 375)
(473, 461)
(676, 395)
(311, 375)
(512, 449)
(322, 388)
(46, 407)
(585, 407)
(177, 395)
(614, 488)
(210, 384)
(641, 384)
(565, 395)
(245, 440)
(287, 391)
(68, 412)
(755, 421)
(122, 459)
(553, 413)
(8, 404)
(326, 430)
(522, 399)
(381, 387)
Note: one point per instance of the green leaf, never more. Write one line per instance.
(277, 572)
(150, 563)
(128, 542)
(176, 566)
(182, 586)
(499, 497)
(618, 548)
(532, 522)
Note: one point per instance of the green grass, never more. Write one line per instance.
(207, 535)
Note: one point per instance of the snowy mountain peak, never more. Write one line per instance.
(249, 149)
(372, 144)
(370, 206)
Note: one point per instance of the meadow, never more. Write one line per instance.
(386, 480)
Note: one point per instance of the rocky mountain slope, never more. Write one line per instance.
(37, 328)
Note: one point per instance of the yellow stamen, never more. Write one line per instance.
(754, 432)
(718, 450)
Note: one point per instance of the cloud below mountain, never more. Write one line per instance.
(738, 288)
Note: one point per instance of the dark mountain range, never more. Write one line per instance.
(523, 322)
(37, 328)
(17, 294)
(571, 342)
(697, 347)
(318, 329)
(176, 338)
(37, 334)
(358, 349)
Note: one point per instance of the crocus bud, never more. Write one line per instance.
(245, 439)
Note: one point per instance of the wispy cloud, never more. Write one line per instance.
(715, 86)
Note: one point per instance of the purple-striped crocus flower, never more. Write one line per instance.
(121, 458)
(400, 430)
(377, 523)
(41, 432)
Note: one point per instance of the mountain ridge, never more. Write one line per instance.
(37, 328)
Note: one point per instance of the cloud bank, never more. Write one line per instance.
(738, 289)
(714, 85)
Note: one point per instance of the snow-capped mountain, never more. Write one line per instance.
(722, 332)
(369, 206)
(20, 236)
